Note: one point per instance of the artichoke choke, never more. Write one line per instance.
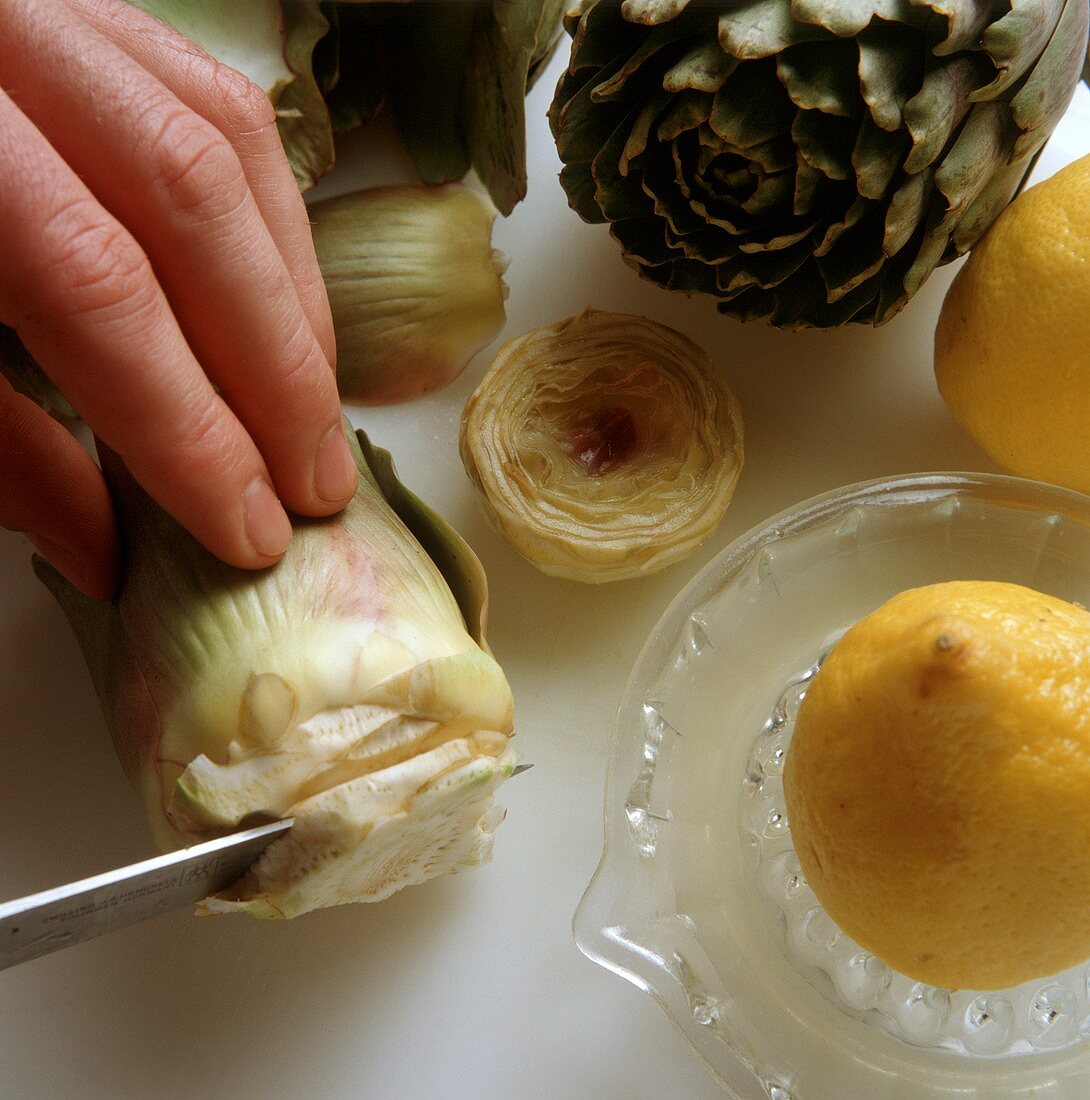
(805, 161)
(603, 447)
(349, 686)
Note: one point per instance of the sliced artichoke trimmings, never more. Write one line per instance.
(603, 447)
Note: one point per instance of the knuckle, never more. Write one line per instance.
(303, 375)
(241, 105)
(93, 262)
(199, 426)
(197, 168)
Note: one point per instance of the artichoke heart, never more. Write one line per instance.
(805, 161)
(349, 687)
(415, 287)
(603, 447)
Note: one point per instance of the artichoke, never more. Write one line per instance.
(807, 161)
(348, 686)
(454, 76)
(603, 447)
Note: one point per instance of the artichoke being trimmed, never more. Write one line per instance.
(348, 686)
(808, 161)
(603, 447)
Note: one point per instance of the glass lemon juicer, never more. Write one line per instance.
(699, 899)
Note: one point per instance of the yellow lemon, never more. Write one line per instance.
(938, 784)
(1012, 348)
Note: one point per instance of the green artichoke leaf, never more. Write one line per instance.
(302, 116)
(938, 108)
(752, 107)
(908, 208)
(981, 148)
(822, 78)
(1015, 42)
(890, 70)
(826, 143)
(453, 556)
(317, 688)
(704, 68)
(245, 35)
(1040, 103)
(964, 19)
(427, 64)
(989, 204)
(652, 12)
(21, 369)
(876, 158)
(846, 18)
(494, 87)
(620, 84)
(762, 28)
(352, 64)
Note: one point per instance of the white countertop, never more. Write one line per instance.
(470, 986)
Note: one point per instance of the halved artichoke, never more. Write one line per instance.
(603, 447)
(349, 686)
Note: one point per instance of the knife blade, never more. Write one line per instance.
(78, 911)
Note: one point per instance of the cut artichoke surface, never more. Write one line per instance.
(603, 447)
(806, 161)
(349, 687)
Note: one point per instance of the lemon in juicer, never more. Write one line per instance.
(938, 784)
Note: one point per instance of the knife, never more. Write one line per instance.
(52, 919)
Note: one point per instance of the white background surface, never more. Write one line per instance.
(469, 986)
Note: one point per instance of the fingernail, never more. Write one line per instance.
(334, 467)
(267, 525)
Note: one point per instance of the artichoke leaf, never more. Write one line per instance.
(21, 369)
(246, 36)
(428, 109)
(846, 18)
(982, 147)
(938, 108)
(876, 158)
(821, 78)
(754, 29)
(414, 285)
(890, 71)
(653, 12)
(965, 20)
(1040, 103)
(704, 68)
(302, 116)
(1015, 42)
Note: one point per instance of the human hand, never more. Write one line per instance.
(156, 249)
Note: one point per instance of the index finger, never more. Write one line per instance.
(241, 112)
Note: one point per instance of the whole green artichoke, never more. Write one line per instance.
(808, 161)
